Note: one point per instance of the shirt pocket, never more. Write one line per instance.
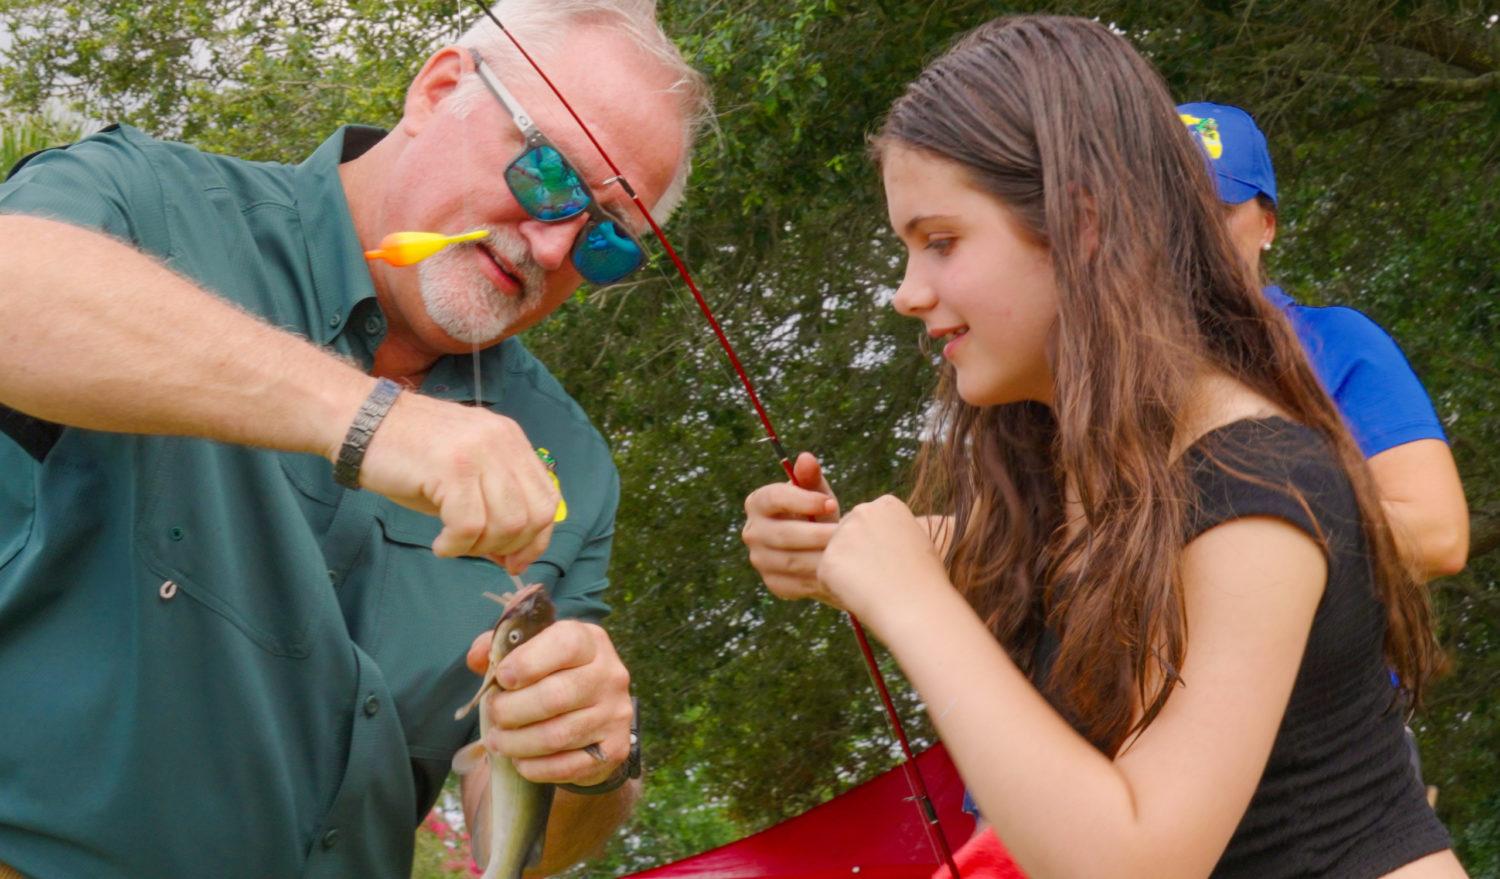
(407, 528)
(411, 595)
(417, 615)
(221, 523)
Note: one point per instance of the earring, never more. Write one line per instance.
(1266, 246)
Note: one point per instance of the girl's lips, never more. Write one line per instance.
(504, 280)
(954, 343)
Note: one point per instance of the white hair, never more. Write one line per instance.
(540, 24)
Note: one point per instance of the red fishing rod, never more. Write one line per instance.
(923, 800)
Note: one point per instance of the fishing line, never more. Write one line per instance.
(935, 835)
(467, 220)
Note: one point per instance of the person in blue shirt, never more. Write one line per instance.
(1360, 365)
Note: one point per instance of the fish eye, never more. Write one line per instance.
(513, 636)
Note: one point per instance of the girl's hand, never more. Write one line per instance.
(786, 529)
(879, 557)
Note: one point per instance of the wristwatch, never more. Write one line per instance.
(371, 412)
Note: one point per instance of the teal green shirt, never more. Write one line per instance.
(213, 660)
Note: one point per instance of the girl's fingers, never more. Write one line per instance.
(773, 563)
(809, 473)
(783, 501)
(792, 587)
(787, 534)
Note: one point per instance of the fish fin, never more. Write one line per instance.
(502, 600)
(486, 684)
(463, 712)
(470, 757)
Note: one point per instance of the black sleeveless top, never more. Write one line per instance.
(1338, 797)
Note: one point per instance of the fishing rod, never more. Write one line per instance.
(923, 800)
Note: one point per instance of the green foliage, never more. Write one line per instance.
(676, 820)
(265, 80)
(1384, 120)
(21, 136)
(442, 842)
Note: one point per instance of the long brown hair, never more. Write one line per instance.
(1073, 132)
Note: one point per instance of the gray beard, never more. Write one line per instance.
(463, 302)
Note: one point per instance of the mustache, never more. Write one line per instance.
(510, 250)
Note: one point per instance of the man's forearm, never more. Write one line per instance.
(580, 825)
(96, 334)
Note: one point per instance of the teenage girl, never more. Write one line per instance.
(1156, 627)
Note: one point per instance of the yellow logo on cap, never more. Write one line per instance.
(1207, 132)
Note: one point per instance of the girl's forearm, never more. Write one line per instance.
(1061, 807)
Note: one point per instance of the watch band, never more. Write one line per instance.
(371, 412)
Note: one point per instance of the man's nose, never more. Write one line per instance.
(551, 243)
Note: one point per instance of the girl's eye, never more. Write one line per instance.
(941, 245)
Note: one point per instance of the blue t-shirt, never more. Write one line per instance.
(1364, 371)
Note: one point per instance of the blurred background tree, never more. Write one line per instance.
(1384, 122)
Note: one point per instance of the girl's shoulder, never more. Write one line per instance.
(1269, 466)
(1256, 440)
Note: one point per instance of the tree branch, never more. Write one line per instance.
(1484, 534)
(1441, 41)
(1440, 87)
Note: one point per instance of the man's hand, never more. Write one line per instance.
(564, 689)
(471, 468)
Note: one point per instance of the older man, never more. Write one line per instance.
(217, 655)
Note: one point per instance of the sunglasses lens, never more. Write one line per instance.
(545, 184)
(603, 255)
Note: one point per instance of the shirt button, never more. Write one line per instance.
(331, 839)
(176, 533)
(332, 575)
(372, 706)
(333, 321)
(373, 325)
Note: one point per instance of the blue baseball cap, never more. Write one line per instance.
(1235, 147)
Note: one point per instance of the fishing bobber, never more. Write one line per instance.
(407, 248)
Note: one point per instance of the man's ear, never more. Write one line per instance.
(437, 79)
